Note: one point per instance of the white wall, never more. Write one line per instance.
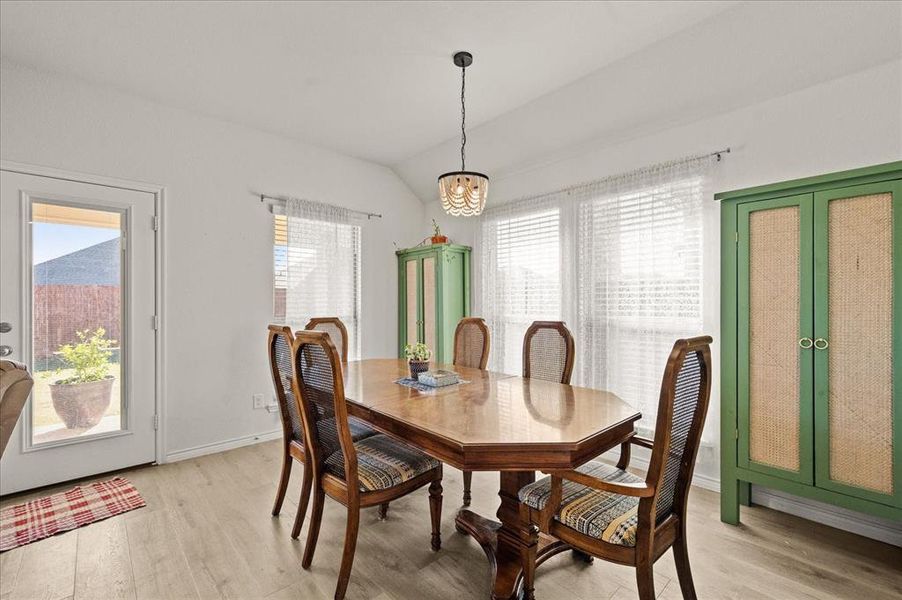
(218, 238)
(846, 123)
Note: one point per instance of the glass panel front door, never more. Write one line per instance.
(78, 292)
(77, 342)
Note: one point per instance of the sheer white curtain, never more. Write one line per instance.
(323, 267)
(620, 260)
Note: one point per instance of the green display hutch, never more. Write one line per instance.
(433, 295)
(811, 369)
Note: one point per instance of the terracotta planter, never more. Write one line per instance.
(440, 239)
(417, 367)
(82, 405)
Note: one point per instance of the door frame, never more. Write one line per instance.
(159, 193)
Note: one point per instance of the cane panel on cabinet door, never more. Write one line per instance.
(412, 305)
(857, 325)
(775, 365)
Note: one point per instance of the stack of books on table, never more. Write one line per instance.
(439, 378)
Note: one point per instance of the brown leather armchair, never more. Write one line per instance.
(15, 385)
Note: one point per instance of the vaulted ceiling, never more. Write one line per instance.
(375, 79)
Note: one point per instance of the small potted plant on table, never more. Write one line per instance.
(82, 399)
(417, 359)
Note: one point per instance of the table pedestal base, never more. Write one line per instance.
(506, 547)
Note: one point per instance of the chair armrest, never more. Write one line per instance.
(644, 442)
(636, 490)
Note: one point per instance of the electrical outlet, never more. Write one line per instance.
(259, 401)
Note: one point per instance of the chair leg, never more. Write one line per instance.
(681, 558)
(468, 481)
(624, 461)
(383, 511)
(347, 558)
(316, 517)
(528, 559)
(283, 483)
(645, 578)
(435, 512)
(302, 503)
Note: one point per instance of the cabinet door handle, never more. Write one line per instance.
(821, 344)
(805, 343)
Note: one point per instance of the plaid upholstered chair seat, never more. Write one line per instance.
(382, 462)
(602, 515)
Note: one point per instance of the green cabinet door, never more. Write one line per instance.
(857, 331)
(775, 367)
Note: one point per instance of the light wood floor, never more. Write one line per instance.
(206, 533)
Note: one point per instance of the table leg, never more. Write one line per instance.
(507, 543)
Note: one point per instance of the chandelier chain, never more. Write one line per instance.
(463, 120)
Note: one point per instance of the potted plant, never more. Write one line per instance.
(417, 359)
(437, 237)
(82, 399)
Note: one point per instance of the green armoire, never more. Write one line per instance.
(433, 295)
(811, 370)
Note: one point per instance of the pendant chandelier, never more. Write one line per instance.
(463, 192)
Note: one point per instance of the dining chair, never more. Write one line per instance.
(293, 449)
(357, 474)
(548, 352)
(336, 330)
(471, 349)
(608, 512)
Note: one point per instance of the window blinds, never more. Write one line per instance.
(619, 260)
(640, 286)
(523, 283)
(320, 269)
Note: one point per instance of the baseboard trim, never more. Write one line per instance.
(827, 514)
(222, 446)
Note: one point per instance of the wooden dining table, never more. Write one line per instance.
(493, 422)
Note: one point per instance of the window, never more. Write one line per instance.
(316, 272)
(280, 265)
(525, 280)
(619, 260)
(639, 273)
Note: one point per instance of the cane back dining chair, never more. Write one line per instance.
(293, 449)
(358, 474)
(471, 349)
(548, 352)
(607, 512)
(336, 330)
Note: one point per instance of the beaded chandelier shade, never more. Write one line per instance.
(463, 192)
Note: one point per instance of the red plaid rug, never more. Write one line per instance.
(82, 505)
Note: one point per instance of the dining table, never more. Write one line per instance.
(493, 422)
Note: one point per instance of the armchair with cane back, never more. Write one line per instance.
(610, 513)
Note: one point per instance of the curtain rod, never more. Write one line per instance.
(369, 215)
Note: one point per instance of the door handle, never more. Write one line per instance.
(5, 350)
(821, 344)
(5, 327)
(805, 343)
